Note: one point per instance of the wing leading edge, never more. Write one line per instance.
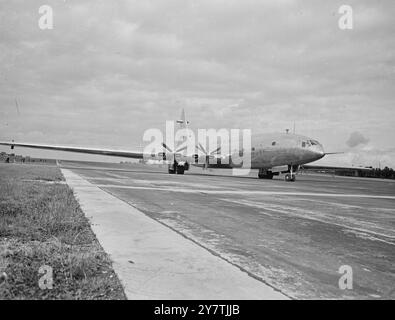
(105, 152)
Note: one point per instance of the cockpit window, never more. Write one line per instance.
(310, 143)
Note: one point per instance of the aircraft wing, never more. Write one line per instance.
(105, 152)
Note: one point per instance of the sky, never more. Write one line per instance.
(109, 70)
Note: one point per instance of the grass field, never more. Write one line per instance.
(41, 223)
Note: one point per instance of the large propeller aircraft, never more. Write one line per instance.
(271, 154)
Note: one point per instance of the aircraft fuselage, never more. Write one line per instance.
(273, 150)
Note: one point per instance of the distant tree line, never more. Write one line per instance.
(386, 173)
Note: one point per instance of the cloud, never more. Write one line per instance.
(356, 138)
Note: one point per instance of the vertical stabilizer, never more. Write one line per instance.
(183, 125)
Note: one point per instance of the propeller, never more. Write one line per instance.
(171, 151)
(207, 155)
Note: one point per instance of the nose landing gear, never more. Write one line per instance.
(291, 177)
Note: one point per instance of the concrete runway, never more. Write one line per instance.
(292, 236)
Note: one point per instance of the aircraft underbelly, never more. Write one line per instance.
(279, 157)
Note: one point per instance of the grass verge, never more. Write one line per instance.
(41, 223)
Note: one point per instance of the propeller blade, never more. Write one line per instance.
(201, 148)
(215, 151)
(166, 147)
(182, 149)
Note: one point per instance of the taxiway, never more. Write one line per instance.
(291, 236)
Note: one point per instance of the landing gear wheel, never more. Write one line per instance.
(172, 168)
(180, 169)
(290, 177)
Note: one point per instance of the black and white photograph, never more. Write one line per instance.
(197, 153)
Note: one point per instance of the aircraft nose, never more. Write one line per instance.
(319, 150)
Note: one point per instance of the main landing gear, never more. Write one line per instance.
(176, 168)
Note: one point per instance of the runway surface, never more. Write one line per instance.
(292, 236)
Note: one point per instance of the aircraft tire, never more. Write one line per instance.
(180, 169)
(290, 178)
(171, 169)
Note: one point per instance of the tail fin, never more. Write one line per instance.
(183, 125)
(183, 121)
